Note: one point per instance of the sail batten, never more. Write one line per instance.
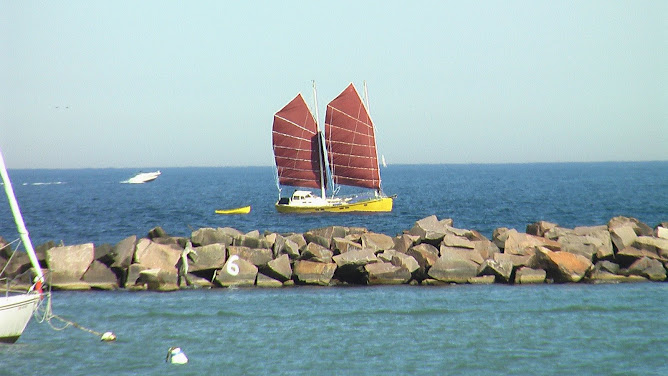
(351, 143)
(296, 145)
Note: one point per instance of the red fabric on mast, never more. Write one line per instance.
(351, 142)
(296, 147)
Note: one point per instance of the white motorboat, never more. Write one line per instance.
(144, 177)
(17, 307)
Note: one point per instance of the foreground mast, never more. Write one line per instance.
(18, 218)
(320, 145)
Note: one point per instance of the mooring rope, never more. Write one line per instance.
(48, 315)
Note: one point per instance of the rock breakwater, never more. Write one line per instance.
(432, 252)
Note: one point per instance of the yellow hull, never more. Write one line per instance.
(383, 204)
(242, 210)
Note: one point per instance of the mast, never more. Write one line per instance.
(320, 144)
(20, 225)
(368, 109)
(351, 145)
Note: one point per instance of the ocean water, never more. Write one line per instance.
(390, 330)
(77, 206)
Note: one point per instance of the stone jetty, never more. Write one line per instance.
(432, 252)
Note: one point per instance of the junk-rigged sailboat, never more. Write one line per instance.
(17, 307)
(350, 146)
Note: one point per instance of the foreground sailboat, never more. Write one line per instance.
(17, 307)
(350, 146)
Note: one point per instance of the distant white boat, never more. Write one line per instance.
(143, 177)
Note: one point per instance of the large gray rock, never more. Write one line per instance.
(501, 270)
(157, 232)
(237, 272)
(252, 240)
(465, 253)
(526, 275)
(157, 280)
(629, 255)
(500, 235)
(661, 231)
(355, 258)
(283, 245)
(16, 264)
(384, 273)
(104, 253)
(486, 248)
(452, 240)
(297, 239)
(518, 261)
(343, 245)
(599, 237)
(403, 242)
(266, 281)
(607, 267)
(157, 256)
(622, 236)
(649, 268)
(207, 257)
(208, 235)
(426, 256)
(324, 236)
(583, 245)
(123, 252)
(314, 273)
(279, 268)
(655, 245)
(639, 228)
(134, 271)
(377, 242)
(430, 229)
(525, 244)
(69, 263)
(350, 265)
(405, 261)
(100, 277)
(601, 276)
(562, 266)
(540, 228)
(317, 253)
(453, 269)
(257, 256)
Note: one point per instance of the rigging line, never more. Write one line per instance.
(12, 256)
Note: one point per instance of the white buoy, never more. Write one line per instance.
(176, 356)
(108, 337)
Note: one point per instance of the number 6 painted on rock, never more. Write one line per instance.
(232, 268)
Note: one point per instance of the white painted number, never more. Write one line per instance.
(232, 268)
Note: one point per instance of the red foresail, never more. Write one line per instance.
(296, 145)
(351, 142)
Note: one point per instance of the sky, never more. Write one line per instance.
(141, 84)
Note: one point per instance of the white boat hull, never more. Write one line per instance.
(144, 177)
(15, 313)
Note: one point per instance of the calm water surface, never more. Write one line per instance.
(398, 330)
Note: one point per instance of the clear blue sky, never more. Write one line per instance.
(166, 84)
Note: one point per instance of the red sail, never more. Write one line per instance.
(296, 146)
(351, 142)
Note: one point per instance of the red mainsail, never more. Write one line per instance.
(351, 142)
(296, 145)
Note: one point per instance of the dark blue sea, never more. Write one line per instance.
(399, 330)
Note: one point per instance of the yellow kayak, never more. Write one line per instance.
(241, 210)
